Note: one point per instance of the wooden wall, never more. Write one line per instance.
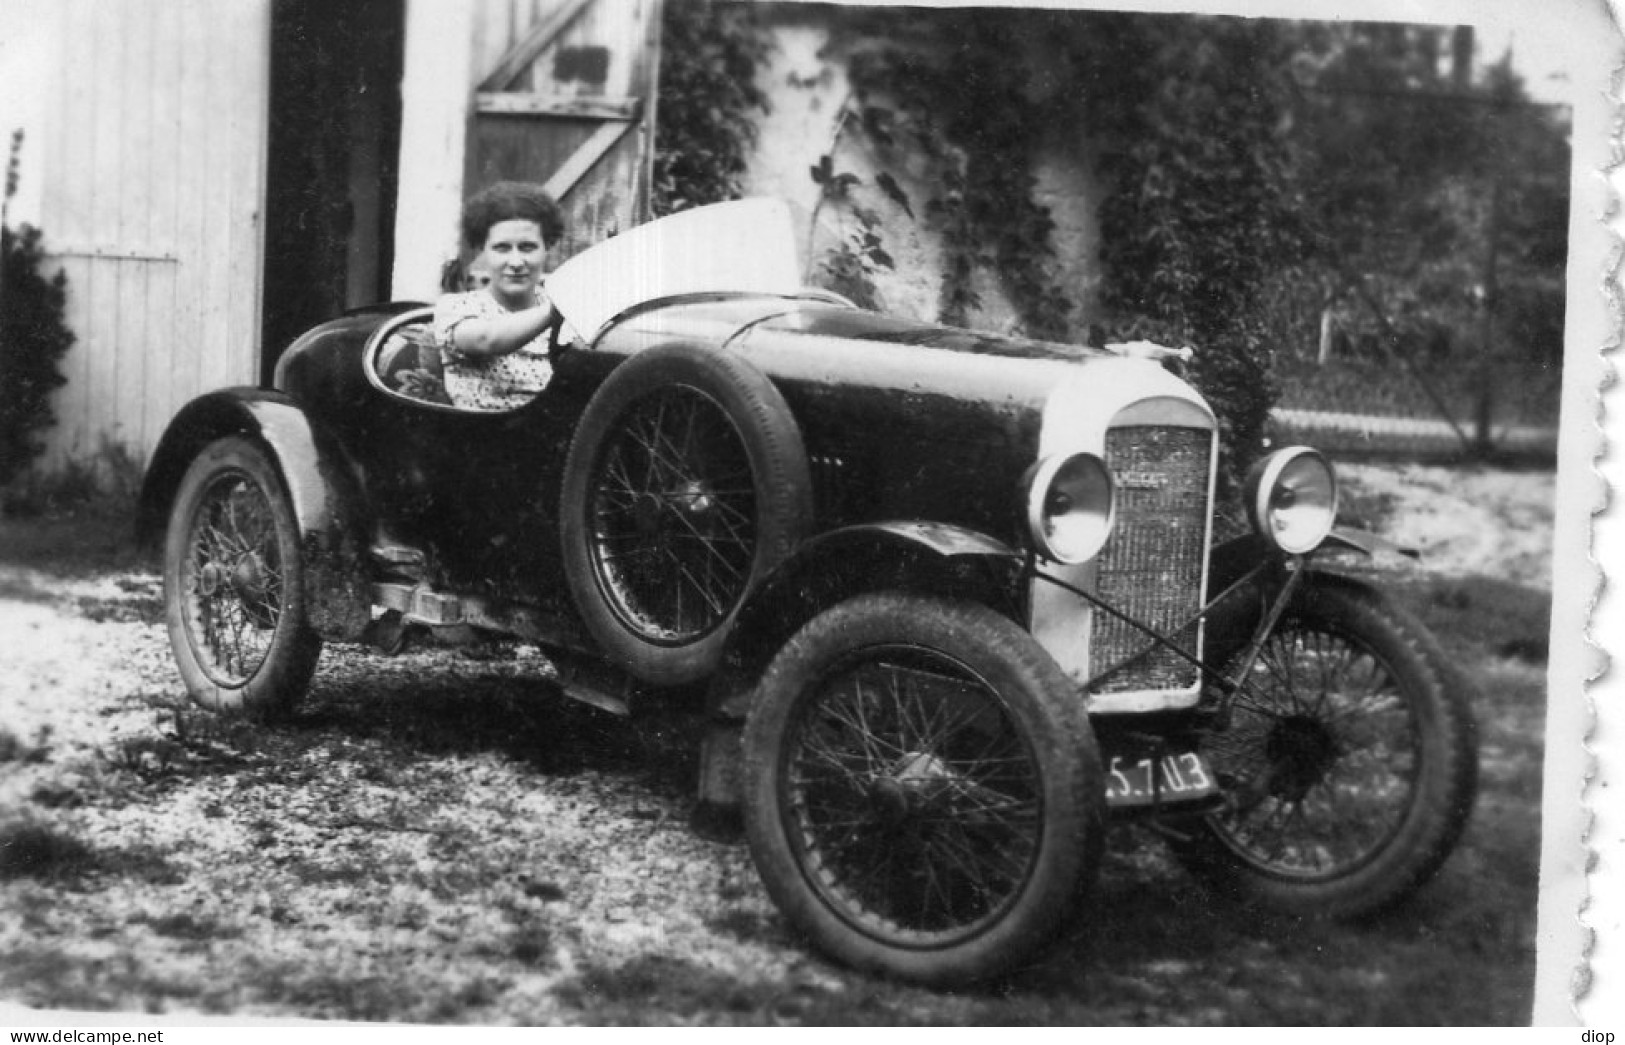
(154, 153)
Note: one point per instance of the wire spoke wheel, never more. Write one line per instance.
(232, 579)
(913, 797)
(674, 516)
(1349, 761)
(1323, 763)
(924, 795)
(233, 583)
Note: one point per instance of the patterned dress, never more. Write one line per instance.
(488, 382)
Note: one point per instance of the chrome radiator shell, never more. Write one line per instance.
(1154, 565)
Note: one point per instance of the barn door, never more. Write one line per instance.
(569, 102)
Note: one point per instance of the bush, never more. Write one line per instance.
(33, 339)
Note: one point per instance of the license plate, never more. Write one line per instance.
(1181, 777)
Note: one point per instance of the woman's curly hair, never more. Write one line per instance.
(510, 201)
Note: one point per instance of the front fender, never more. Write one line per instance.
(1231, 622)
(1231, 560)
(950, 561)
(331, 512)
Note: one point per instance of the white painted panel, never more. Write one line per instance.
(436, 92)
(156, 165)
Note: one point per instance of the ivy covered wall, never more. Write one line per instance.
(852, 140)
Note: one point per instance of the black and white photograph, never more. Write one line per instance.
(670, 513)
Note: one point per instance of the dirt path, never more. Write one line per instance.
(1467, 521)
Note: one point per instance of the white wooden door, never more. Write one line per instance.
(154, 158)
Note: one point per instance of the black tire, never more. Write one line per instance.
(685, 484)
(1350, 769)
(939, 825)
(234, 596)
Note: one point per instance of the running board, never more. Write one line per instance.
(420, 605)
(579, 678)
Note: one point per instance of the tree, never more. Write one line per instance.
(1439, 204)
(1205, 209)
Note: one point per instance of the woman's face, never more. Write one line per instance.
(513, 254)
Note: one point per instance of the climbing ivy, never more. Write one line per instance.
(948, 94)
(708, 103)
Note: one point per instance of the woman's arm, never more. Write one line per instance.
(483, 336)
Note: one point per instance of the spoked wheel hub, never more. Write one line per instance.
(916, 788)
(247, 578)
(1301, 751)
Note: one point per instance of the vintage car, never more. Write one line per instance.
(954, 601)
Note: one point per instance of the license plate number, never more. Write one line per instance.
(1132, 781)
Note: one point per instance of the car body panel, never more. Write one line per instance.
(904, 423)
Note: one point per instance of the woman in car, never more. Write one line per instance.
(494, 339)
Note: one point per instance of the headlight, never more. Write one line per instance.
(1069, 507)
(1292, 499)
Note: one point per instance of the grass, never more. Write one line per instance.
(74, 544)
(391, 852)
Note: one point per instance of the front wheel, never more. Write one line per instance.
(234, 596)
(1349, 763)
(924, 796)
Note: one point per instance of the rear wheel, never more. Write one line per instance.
(923, 792)
(234, 595)
(1349, 763)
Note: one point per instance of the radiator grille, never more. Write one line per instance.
(1151, 569)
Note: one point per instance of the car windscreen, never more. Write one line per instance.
(744, 246)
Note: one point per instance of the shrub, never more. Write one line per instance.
(34, 336)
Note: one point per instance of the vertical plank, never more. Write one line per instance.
(184, 376)
(213, 284)
(161, 174)
(249, 33)
(133, 189)
(164, 174)
(108, 150)
(74, 227)
(436, 85)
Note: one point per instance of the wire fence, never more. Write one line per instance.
(1448, 409)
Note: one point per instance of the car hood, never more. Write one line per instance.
(727, 275)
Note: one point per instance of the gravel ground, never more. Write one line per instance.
(275, 847)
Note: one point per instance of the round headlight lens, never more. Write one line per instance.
(1292, 499)
(1070, 502)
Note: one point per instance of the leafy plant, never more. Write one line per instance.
(34, 337)
(848, 267)
(1203, 209)
(942, 94)
(708, 98)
